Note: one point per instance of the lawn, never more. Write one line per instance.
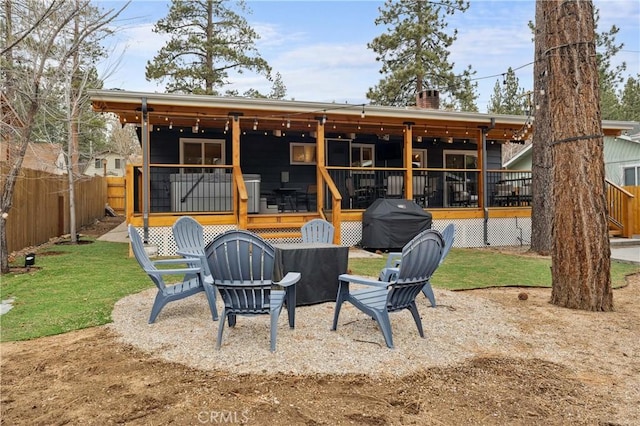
(76, 286)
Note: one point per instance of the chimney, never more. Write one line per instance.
(429, 99)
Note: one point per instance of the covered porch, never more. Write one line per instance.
(271, 165)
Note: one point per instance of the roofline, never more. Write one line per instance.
(527, 148)
(518, 155)
(307, 107)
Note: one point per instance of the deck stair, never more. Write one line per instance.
(281, 225)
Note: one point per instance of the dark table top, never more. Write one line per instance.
(319, 264)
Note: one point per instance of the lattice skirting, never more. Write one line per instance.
(469, 233)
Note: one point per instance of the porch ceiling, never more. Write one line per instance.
(297, 117)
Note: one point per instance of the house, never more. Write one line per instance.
(622, 173)
(254, 163)
(46, 157)
(621, 160)
(106, 164)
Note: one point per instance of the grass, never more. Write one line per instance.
(76, 286)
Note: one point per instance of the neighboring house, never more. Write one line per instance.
(244, 163)
(113, 163)
(47, 157)
(621, 160)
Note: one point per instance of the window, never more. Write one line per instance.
(202, 152)
(419, 158)
(118, 163)
(631, 176)
(302, 153)
(98, 163)
(362, 155)
(461, 186)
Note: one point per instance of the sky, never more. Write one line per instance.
(320, 47)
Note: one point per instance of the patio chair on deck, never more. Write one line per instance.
(242, 266)
(390, 271)
(358, 198)
(189, 237)
(420, 258)
(317, 231)
(192, 277)
(395, 186)
(420, 191)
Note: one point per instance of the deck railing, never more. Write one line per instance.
(619, 205)
(216, 189)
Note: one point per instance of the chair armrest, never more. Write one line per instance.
(188, 253)
(387, 273)
(289, 279)
(183, 271)
(394, 259)
(192, 260)
(357, 279)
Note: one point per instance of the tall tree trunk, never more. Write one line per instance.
(580, 250)
(542, 182)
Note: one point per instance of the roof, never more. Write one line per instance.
(526, 150)
(48, 157)
(267, 114)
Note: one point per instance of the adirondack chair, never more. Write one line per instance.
(242, 266)
(317, 231)
(390, 271)
(189, 237)
(192, 276)
(420, 258)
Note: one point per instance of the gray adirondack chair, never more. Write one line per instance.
(390, 271)
(317, 231)
(242, 266)
(420, 258)
(189, 237)
(192, 276)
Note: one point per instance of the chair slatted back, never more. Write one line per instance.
(137, 246)
(448, 235)
(242, 263)
(189, 235)
(420, 258)
(240, 256)
(317, 231)
(395, 186)
(419, 184)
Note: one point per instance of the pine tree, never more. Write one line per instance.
(414, 53)
(630, 100)
(208, 41)
(580, 261)
(508, 97)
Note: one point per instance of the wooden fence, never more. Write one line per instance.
(40, 209)
(116, 194)
(635, 207)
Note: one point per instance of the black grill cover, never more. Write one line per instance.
(392, 223)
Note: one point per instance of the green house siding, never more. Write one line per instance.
(619, 152)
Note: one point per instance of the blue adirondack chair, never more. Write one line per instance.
(189, 237)
(192, 276)
(317, 231)
(390, 270)
(420, 258)
(242, 263)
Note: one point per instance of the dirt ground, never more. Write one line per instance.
(88, 377)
